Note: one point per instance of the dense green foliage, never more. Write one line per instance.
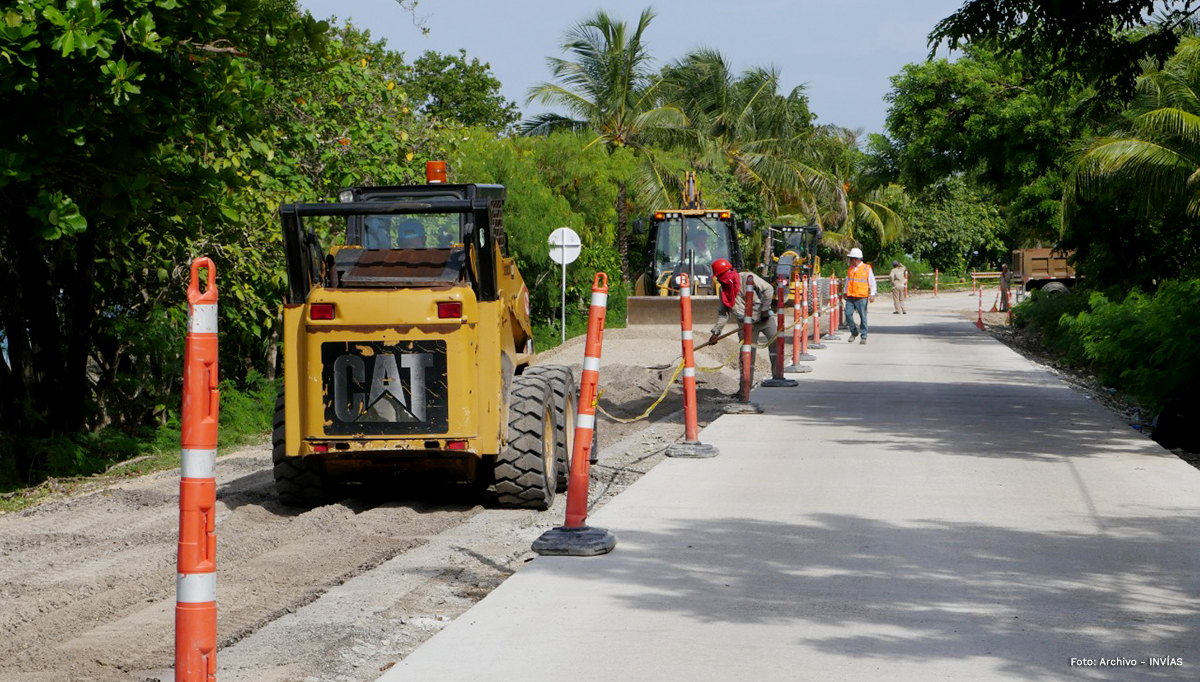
(451, 88)
(1098, 41)
(1142, 344)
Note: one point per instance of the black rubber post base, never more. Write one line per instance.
(797, 369)
(779, 383)
(583, 541)
(743, 408)
(695, 450)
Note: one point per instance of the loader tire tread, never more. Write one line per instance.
(562, 385)
(299, 481)
(524, 471)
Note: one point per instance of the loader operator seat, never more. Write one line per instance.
(411, 235)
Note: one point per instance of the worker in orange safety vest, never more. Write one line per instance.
(860, 288)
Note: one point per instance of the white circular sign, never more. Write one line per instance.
(564, 245)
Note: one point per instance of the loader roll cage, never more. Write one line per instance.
(473, 256)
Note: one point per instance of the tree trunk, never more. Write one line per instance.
(80, 301)
(622, 233)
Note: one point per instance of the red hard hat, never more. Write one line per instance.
(721, 266)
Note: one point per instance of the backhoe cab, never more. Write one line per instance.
(794, 248)
(408, 349)
(685, 240)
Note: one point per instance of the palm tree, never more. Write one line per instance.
(1157, 149)
(743, 123)
(844, 204)
(609, 91)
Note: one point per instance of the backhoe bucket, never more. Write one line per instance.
(664, 310)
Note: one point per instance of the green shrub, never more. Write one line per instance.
(1146, 344)
(1143, 344)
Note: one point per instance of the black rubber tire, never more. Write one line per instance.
(562, 385)
(1055, 289)
(524, 471)
(299, 481)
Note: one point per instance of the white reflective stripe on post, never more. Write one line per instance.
(198, 464)
(747, 320)
(592, 364)
(599, 299)
(195, 588)
(686, 335)
(689, 372)
(747, 349)
(685, 291)
(585, 421)
(203, 319)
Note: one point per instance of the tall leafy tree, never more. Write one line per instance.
(609, 90)
(984, 116)
(452, 88)
(122, 122)
(1100, 41)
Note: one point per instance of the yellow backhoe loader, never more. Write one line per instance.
(408, 350)
(684, 240)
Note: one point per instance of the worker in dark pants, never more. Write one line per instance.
(860, 289)
(733, 301)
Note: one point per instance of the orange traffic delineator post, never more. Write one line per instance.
(691, 445)
(575, 537)
(777, 379)
(800, 328)
(196, 577)
(996, 304)
(816, 344)
(834, 303)
(979, 320)
(743, 404)
(935, 282)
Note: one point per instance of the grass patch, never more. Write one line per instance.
(33, 469)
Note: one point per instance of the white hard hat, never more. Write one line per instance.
(855, 253)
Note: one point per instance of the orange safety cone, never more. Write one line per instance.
(574, 537)
(777, 379)
(743, 404)
(196, 577)
(799, 328)
(691, 445)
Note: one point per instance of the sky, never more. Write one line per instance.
(843, 51)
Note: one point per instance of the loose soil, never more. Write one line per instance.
(88, 580)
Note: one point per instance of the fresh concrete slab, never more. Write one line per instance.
(930, 506)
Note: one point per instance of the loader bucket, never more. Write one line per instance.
(664, 310)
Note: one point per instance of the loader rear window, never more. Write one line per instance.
(411, 232)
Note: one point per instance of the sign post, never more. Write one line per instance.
(564, 248)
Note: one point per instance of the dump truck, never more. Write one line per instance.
(684, 240)
(408, 351)
(1044, 269)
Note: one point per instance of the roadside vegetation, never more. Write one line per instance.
(140, 136)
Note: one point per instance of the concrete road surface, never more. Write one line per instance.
(929, 506)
